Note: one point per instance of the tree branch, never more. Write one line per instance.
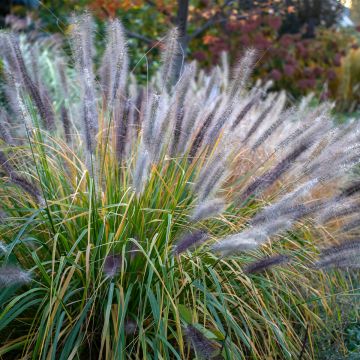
(163, 11)
(140, 37)
(215, 19)
(206, 26)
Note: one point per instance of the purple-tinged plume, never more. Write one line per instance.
(189, 240)
(208, 209)
(42, 103)
(83, 52)
(239, 242)
(351, 189)
(130, 327)
(351, 225)
(141, 170)
(3, 249)
(114, 63)
(5, 134)
(169, 57)
(19, 180)
(270, 177)
(242, 72)
(66, 123)
(266, 263)
(12, 275)
(205, 349)
(4, 163)
(338, 255)
(112, 265)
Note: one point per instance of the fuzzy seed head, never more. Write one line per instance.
(112, 265)
(13, 275)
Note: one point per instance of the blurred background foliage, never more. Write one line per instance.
(304, 46)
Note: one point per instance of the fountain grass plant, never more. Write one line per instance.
(163, 221)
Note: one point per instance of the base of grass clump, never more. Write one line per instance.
(339, 338)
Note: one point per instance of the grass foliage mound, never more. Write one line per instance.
(150, 222)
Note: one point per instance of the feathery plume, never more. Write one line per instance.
(149, 121)
(269, 178)
(208, 209)
(346, 245)
(290, 211)
(265, 263)
(112, 265)
(272, 228)
(13, 275)
(3, 215)
(121, 116)
(351, 189)
(252, 237)
(169, 56)
(20, 181)
(42, 103)
(5, 135)
(248, 106)
(286, 204)
(236, 243)
(273, 127)
(130, 327)
(132, 129)
(204, 348)
(337, 255)
(336, 210)
(83, 53)
(273, 109)
(351, 225)
(114, 62)
(66, 123)
(28, 187)
(190, 240)
(201, 133)
(225, 69)
(301, 130)
(4, 163)
(191, 113)
(64, 112)
(180, 91)
(342, 162)
(138, 109)
(211, 86)
(141, 170)
(242, 72)
(221, 120)
(4, 131)
(352, 262)
(211, 185)
(34, 61)
(19, 105)
(3, 248)
(177, 131)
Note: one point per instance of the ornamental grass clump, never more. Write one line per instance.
(140, 222)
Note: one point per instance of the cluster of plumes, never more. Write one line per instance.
(243, 141)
